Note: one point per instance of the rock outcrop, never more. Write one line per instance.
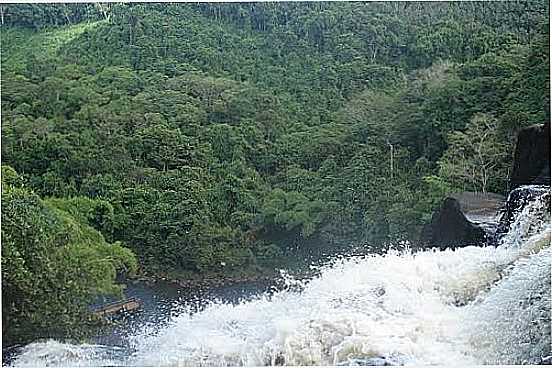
(532, 157)
(450, 228)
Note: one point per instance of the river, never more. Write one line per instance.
(471, 305)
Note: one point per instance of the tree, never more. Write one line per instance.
(54, 263)
(292, 211)
(475, 157)
(208, 126)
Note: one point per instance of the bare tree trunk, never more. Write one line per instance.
(66, 13)
(484, 180)
(104, 9)
(391, 154)
(130, 35)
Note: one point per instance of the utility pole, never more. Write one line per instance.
(391, 156)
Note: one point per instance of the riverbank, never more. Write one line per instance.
(298, 263)
(204, 280)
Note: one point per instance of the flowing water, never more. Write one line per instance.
(472, 305)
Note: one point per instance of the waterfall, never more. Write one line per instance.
(471, 305)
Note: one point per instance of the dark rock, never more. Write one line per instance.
(280, 360)
(532, 157)
(370, 362)
(10, 353)
(449, 227)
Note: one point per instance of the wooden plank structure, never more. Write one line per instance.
(126, 305)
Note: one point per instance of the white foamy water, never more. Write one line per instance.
(472, 305)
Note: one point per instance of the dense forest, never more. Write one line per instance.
(195, 139)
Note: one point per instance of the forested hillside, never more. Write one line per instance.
(220, 136)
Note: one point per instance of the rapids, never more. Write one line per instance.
(472, 305)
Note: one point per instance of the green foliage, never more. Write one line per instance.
(202, 134)
(292, 211)
(476, 158)
(96, 213)
(10, 178)
(53, 265)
